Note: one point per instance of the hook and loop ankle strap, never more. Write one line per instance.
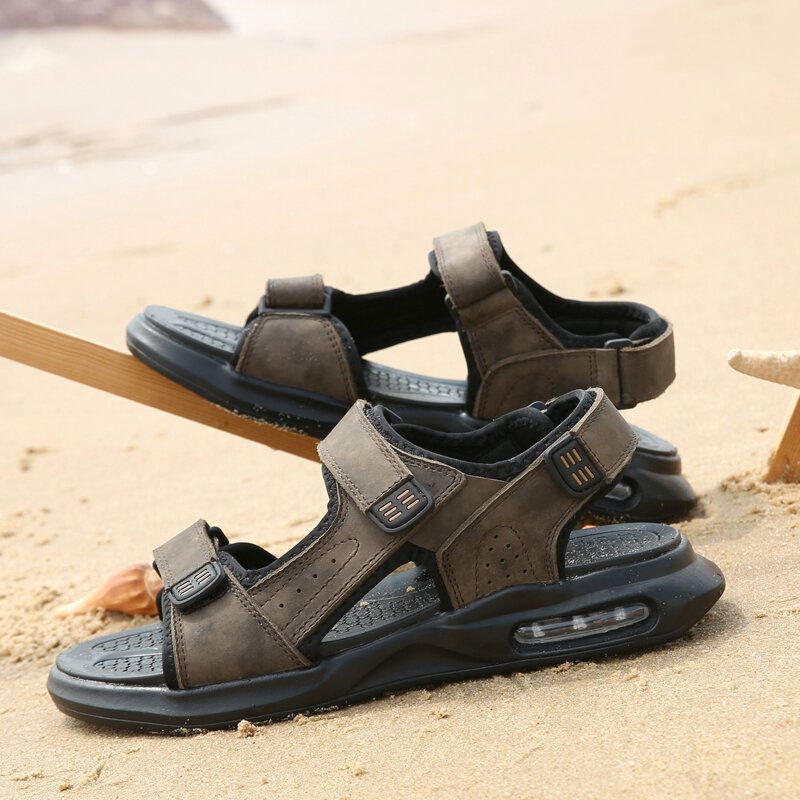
(372, 474)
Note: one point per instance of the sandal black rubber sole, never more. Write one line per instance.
(628, 588)
(196, 353)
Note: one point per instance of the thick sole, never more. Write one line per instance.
(615, 610)
(197, 353)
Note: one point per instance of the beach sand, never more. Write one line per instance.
(642, 150)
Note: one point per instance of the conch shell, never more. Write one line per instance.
(777, 366)
(132, 590)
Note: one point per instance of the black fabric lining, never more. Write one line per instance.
(579, 323)
(382, 319)
(472, 452)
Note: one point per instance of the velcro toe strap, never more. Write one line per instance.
(188, 564)
(213, 630)
(306, 291)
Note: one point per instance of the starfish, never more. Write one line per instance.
(776, 366)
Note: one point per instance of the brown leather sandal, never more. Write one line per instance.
(299, 360)
(502, 583)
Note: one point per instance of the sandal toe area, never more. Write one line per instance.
(132, 656)
(193, 330)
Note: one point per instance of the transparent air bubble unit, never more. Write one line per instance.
(580, 626)
(621, 492)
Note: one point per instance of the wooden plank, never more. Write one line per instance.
(784, 463)
(121, 374)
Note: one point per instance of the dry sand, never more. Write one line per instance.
(644, 150)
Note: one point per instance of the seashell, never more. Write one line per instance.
(777, 366)
(132, 590)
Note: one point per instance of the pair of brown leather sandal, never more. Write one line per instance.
(299, 360)
(484, 510)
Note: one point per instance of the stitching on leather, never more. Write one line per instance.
(452, 582)
(392, 459)
(477, 348)
(269, 589)
(273, 583)
(331, 462)
(456, 481)
(332, 546)
(197, 535)
(486, 253)
(310, 287)
(393, 544)
(249, 345)
(475, 332)
(319, 286)
(180, 646)
(391, 456)
(263, 622)
(164, 569)
(254, 338)
(486, 403)
(444, 271)
(344, 371)
(530, 322)
(204, 540)
(268, 294)
(633, 356)
(456, 478)
(449, 276)
(555, 530)
(499, 499)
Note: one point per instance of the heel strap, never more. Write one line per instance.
(518, 357)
